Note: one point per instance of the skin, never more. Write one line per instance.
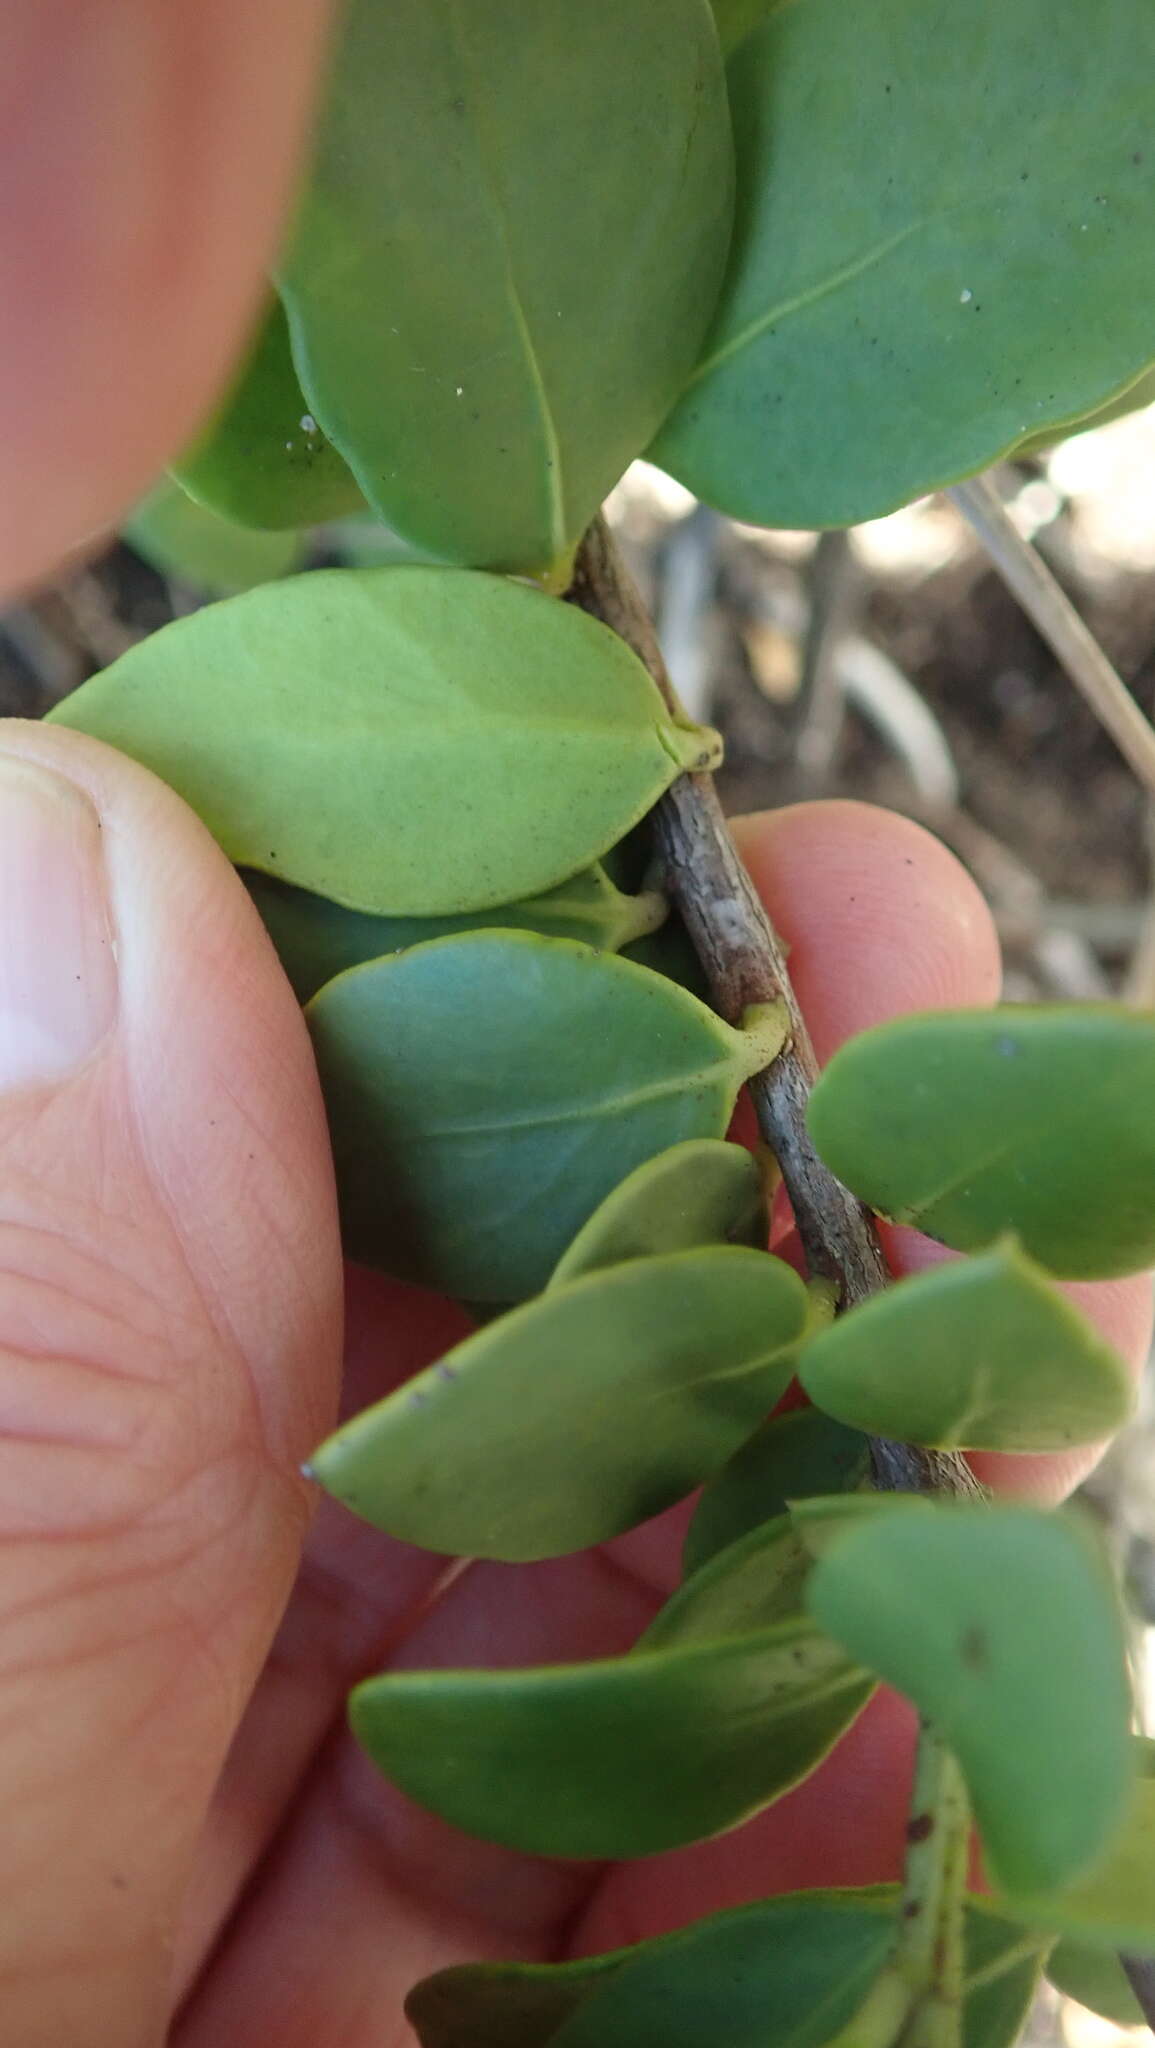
(192, 1847)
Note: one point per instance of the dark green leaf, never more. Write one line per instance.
(980, 1354)
(789, 1457)
(699, 1192)
(671, 952)
(749, 1585)
(486, 1092)
(790, 1970)
(1135, 398)
(579, 1415)
(263, 460)
(951, 1122)
(318, 939)
(538, 202)
(1096, 1978)
(624, 1757)
(412, 741)
(912, 289)
(1001, 1625)
(184, 540)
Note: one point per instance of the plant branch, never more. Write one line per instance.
(745, 966)
(1140, 1974)
(1046, 603)
(929, 1949)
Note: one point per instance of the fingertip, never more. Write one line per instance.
(879, 916)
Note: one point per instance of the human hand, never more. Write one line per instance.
(188, 1829)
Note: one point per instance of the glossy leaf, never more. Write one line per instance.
(980, 1354)
(1113, 1906)
(486, 1092)
(700, 1192)
(793, 1968)
(910, 293)
(750, 1585)
(624, 1757)
(579, 1415)
(1095, 1977)
(1000, 1624)
(263, 460)
(412, 741)
(790, 1456)
(951, 1122)
(538, 201)
(318, 939)
(179, 538)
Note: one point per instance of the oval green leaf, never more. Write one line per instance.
(1000, 1623)
(318, 939)
(412, 741)
(624, 1757)
(790, 1456)
(263, 460)
(579, 1415)
(911, 294)
(801, 1963)
(948, 1121)
(1095, 1977)
(750, 1585)
(538, 202)
(979, 1354)
(182, 539)
(700, 1192)
(486, 1092)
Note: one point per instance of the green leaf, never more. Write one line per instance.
(699, 1192)
(538, 202)
(486, 1092)
(982, 1354)
(670, 951)
(579, 1415)
(737, 19)
(792, 1969)
(1001, 1625)
(750, 1585)
(412, 741)
(913, 292)
(623, 1757)
(790, 1456)
(1135, 398)
(318, 939)
(262, 460)
(950, 1122)
(1096, 1978)
(181, 539)
(1113, 1906)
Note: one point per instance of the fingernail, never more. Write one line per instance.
(57, 958)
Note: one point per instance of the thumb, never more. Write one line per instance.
(169, 1331)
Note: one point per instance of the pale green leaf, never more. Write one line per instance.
(412, 741)
(699, 1192)
(623, 1757)
(583, 1413)
(486, 1092)
(971, 1123)
(263, 460)
(979, 1354)
(506, 255)
(318, 939)
(1096, 1978)
(182, 539)
(942, 212)
(1001, 1625)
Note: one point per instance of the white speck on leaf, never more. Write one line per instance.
(308, 423)
(965, 296)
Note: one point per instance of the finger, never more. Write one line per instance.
(169, 1319)
(355, 1839)
(147, 149)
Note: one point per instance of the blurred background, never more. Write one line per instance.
(889, 663)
